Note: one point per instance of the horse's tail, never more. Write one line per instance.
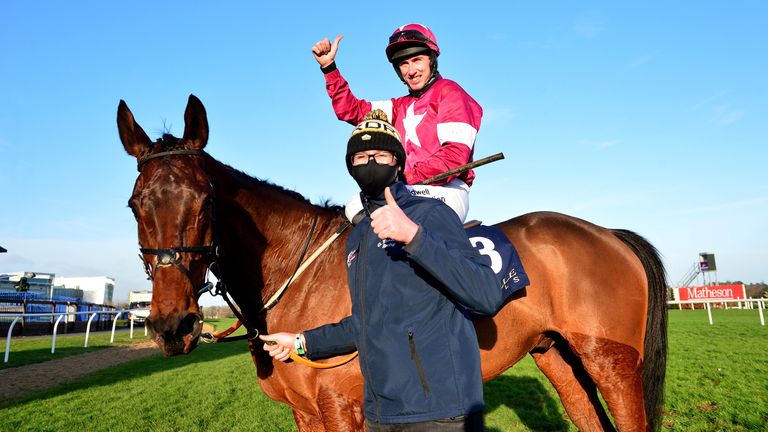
(655, 353)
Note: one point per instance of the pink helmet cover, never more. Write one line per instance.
(410, 34)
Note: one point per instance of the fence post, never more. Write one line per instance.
(88, 328)
(760, 307)
(114, 324)
(709, 313)
(8, 340)
(55, 328)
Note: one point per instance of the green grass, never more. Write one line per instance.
(37, 349)
(717, 379)
(213, 390)
(717, 375)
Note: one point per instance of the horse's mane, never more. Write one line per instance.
(248, 179)
(169, 142)
(165, 143)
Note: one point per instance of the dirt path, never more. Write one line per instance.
(23, 380)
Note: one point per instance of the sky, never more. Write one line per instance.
(649, 116)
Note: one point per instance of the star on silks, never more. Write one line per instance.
(410, 122)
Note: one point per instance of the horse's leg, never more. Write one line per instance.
(576, 389)
(617, 370)
(340, 412)
(307, 422)
(332, 412)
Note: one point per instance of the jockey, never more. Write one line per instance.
(437, 120)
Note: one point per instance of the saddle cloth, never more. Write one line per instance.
(503, 257)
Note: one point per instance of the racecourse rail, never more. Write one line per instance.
(748, 304)
(741, 304)
(62, 315)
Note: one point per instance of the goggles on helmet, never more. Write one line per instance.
(409, 35)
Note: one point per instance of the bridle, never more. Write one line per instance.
(170, 256)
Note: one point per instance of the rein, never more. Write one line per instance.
(224, 336)
(253, 332)
(302, 266)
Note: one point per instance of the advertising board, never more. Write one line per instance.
(711, 292)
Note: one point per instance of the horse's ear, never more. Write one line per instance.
(195, 124)
(131, 134)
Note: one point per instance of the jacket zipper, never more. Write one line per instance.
(362, 264)
(415, 358)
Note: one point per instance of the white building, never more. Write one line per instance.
(96, 289)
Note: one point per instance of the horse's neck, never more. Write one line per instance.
(262, 230)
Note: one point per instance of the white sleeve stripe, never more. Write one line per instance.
(456, 132)
(385, 106)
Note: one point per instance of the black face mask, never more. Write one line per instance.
(373, 178)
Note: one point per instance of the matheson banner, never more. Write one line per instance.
(713, 292)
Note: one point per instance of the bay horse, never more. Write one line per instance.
(593, 318)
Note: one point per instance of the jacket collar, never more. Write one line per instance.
(399, 191)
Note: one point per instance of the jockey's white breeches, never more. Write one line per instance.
(455, 194)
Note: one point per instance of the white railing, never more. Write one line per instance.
(62, 315)
(747, 304)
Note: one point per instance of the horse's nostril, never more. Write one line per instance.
(187, 325)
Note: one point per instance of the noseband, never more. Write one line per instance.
(171, 255)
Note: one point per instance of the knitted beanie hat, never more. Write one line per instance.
(375, 133)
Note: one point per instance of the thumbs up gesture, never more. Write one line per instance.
(325, 51)
(389, 222)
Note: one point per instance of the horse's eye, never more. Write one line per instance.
(132, 206)
(207, 204)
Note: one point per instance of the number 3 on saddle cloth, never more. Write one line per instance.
(504, 260)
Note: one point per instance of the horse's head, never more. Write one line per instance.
(172, 201)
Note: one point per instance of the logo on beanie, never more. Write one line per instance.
(376, 121)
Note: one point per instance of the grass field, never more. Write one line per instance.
(717, 380)
(717, 375)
